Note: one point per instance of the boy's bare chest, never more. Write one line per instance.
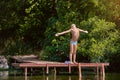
(75, 31)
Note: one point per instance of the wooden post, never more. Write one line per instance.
(25, 73)
(97, 70)
(103, 71)
(54, 73)
(69, 68)
(43, 69)
(79, 69)
(55, 70)
(47, 69)
(31, 69)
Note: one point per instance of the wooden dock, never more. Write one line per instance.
(47, 64)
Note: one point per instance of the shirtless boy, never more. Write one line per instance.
(73, 42)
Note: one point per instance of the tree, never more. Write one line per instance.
(99, 42)
(24, 22)
(110, 10)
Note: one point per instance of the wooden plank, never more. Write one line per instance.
(59, 64)
(25, 58)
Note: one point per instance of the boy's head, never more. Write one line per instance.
(73, 26)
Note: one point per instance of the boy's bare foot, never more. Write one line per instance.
(71, 62)
(75, 62)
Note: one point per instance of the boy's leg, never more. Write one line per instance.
(71, 58)
(71, 52)
(74, 53)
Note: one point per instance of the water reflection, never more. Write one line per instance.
(4, 75)
(58, 77)
(97, 77)
(80, 78)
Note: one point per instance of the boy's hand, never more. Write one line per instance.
(86, 31)
(57, 34)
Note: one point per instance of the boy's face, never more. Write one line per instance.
(73, 26)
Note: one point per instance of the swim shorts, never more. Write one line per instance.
(73, 42)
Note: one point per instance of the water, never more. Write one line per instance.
(6, 75)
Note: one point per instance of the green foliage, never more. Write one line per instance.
(110, 10)
(24, 19)
(101, 39)
(17, 48)
(26, 25)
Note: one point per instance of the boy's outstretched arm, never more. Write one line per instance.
(83, 31)
(64, 32)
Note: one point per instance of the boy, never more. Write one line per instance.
(73, 42)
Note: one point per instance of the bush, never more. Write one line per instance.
(16, 48)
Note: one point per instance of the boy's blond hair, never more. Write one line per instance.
(72, 25)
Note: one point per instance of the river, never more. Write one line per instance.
(7, 75)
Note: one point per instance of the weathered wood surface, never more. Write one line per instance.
(33, 62)
(57, 64)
